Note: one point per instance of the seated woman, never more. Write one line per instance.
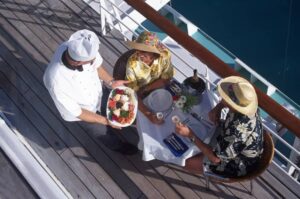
(239, 140)
(148, 68)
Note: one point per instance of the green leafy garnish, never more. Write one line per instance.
(124, 113)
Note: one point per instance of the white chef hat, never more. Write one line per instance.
(83, 45)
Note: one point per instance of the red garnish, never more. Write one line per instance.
(175, 97)
(118, 91)
(111, 104)
(114, 118)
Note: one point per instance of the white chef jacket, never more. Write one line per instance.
(72, 90)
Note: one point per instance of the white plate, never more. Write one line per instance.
(160, 100)
(134, 100)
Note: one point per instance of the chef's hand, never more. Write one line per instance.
(107, 122)
(116, 83)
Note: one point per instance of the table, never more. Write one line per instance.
(152, 135)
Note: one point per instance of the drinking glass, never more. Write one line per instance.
(159, 115)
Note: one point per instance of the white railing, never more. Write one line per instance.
(116, 21)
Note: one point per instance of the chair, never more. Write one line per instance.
(119, 71)
(262, 165)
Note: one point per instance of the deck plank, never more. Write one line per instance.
(32, 24)
(67, 137)
(37, 142)
(83, 173)
(270, 184)
(45, 14)
(36, 44)
(87, 150)
(180, 186)
(11, 180)
(162, 186)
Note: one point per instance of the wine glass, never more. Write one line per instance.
(159, 115)
(175, 119)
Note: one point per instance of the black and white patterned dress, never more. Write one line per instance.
(239, 145)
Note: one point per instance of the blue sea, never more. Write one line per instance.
(265, 34)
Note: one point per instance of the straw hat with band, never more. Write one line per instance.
(239, 94)
(147, 41)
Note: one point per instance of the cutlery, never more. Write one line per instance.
(175, 88)
(176, 142)
(170, 141)
(175, 145)
(172, 89)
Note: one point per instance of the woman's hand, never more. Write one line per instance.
(143, 92)
(116, 83)
(183, 130)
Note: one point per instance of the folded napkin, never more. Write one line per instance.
(175, 144)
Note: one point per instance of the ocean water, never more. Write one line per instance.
(265, 34)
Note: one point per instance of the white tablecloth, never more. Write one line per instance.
(151, 135)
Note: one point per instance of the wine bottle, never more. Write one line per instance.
(195, 82)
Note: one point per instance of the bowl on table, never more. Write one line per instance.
(159, 100)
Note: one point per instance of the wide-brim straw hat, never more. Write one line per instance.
(239, 94)
(147, 41)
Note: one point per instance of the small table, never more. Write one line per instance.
(152, 135)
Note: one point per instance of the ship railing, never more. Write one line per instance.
(212, 84)
(128, 32)
(251, 74)
(286, 164)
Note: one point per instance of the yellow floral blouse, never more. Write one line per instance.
(140, 74)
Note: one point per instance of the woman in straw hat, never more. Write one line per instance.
(239, 139)
(148, 68)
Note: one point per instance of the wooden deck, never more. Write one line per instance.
(30, 32)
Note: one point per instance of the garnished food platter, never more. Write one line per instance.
(122, 106)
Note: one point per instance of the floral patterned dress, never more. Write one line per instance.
(239, 145)
(140, 74)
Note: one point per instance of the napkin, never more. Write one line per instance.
(175, 145)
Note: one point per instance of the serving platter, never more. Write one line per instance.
(122, 106)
